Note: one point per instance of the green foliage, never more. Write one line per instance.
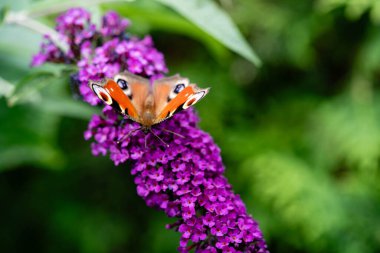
(3, 12)
(300, 137)
(27, 89)
(356, 144)
(6, 88)
(314, 210)
(27, 138)
(215, 22)
(154, 17)
(94, 232)
(353, 9)
(299, 197)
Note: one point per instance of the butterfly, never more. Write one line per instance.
(148, 104)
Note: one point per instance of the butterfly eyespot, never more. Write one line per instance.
(179, 87)
(193, 99)
(105, 97)
(191, 102)
(122, 84)
(102, 94)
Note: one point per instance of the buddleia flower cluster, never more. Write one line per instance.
(185, 180)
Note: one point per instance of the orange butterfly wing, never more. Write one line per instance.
(137, 91)
(168, 102)
(121, 99)
(111, 93)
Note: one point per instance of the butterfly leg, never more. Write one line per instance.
(146, 140)
(127, 135)
(158, 137)
(169, 131)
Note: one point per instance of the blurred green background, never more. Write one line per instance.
(300, 136)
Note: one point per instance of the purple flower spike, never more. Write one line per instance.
(113, 25)
(185, 180)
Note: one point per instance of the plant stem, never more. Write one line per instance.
(27, 18)
(6, 88)
(20, 18)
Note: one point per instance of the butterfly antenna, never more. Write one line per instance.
(169, 131)
(127, 135)
(158, 137)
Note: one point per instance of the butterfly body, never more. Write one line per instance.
(146, 103)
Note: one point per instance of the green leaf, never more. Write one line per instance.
(213, 20)
(15, 54)
(42, 154)
(67, 107)
(6, 88)
(28, 138)
(27, 89)
(152, 16)
(3, 13)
